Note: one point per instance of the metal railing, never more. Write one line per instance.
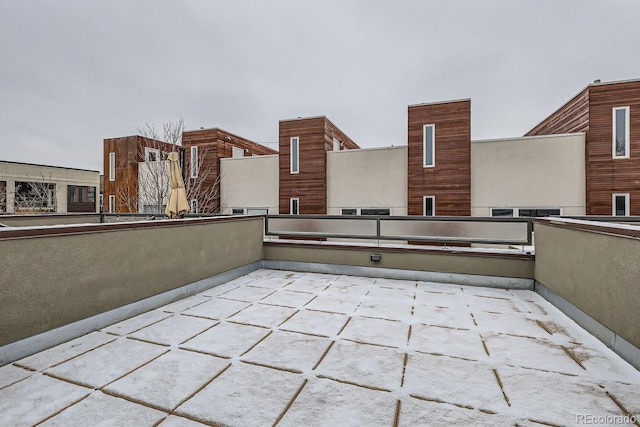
(470, 230)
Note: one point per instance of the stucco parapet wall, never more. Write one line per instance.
(529, 138)
(359, 150)
(257, 157)
(618, 230)
(75, 229)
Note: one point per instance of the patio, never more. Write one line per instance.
(292, 348)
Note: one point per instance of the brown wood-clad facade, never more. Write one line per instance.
(214, 144)
(591, 111)
(129, 150)
(316, 136)
(449, 180)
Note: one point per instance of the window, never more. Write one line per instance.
(349, 211)
(237, 152)
(81, 194)
(621, 204)
(429, 206)
(194, 162)
(112, 166)
(429, 146)
(532, 213)
(112, 203)
(151, 154)
(501, 212)
(621, 132)
(294, 206)
(257, 211)
(194, 205)
(336, 144)
(236, 211)
(295, 154)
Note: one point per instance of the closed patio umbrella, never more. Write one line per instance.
(177, 205)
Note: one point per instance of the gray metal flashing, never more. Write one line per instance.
(42, 341)
(391, 273)
(619, 345)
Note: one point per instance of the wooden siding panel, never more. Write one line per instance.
(450, 180)
(316, 136)
(606, 175)
(571, 117)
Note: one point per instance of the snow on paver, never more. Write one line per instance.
(66, 351)
(528, 355)
(288, 298)
(465, 344)
(334, 304)
(247, 293)
(226, 339)
(168, 380)
(376, 331)
(441, 316)
(263, 315)
(452, 380)
(554, 399)
(288, 350)
(347, 290)
(527, 326)
(10, 374)
(217, 309)
(416, 412)
(273, 282)
(34, 399)
(107, 363)
(101, 409)
(386, 309)
(138, 322)
(185, 304)
(174, 330)
(391, 293)
(315, 323)
(324, 402)
(244, 394)
(363, 364)
(308, 285)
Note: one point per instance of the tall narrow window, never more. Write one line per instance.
(194, 161)
(112, 203)
(621, 132)
(112, 166)
(429, 206)
(294, 206)
(295, 154)
(429, 146)
(194, 205)
(621, 204)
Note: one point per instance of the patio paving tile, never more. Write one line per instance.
(328, 403)
(226, 339)
(100, 409)
(135, 323)
(288, 298)
(416, 412)
(316, 323)
(36, 398)
(105, 364)
(377, 331)
(185, 304)
(244, 395)
(263, 315)
(247, 293)
(168, 380)
(173, 330)
(175, 421)
(448, 342)
(10, 374)
(217, 309)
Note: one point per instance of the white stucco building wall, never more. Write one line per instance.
(249, 183)
(367, 178)
(529, 172)
(60, 177)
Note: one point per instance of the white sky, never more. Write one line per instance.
(75, 72)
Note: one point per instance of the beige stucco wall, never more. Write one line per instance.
(50, 281)
(367, 178)
(596, 272)
(529, 172)
(249, 182)
(61, 177)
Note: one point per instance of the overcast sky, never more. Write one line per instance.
(75, 72)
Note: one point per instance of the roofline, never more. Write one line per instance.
(351, 150)
(614, 82)
(304, 118)
(48, 166)
(440, 102)
(518, 138)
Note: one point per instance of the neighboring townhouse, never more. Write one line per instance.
(136, 170)
(584, 159)
(27, 188)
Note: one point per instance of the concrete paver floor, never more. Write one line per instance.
(291, 348)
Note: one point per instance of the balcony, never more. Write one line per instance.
(207, 321)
